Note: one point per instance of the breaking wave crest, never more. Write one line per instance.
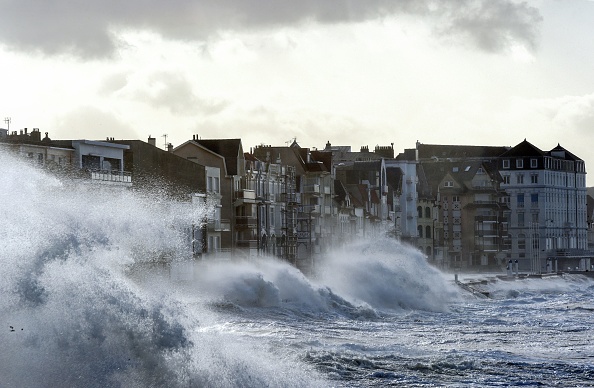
(363, 279)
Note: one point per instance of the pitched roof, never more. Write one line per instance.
(230, 149)
(525, 148)
(557, 151)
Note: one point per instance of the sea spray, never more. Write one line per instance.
(85, 297)
(386, 275)
(360, 279)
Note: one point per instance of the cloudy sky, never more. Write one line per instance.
(351, 72)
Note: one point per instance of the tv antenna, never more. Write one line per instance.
(7, 120)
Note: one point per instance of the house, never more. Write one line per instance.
(224, 163)
(91, 161)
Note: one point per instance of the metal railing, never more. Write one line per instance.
(111, 176)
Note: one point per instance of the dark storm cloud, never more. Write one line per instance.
(84, 28)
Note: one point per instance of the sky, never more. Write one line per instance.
(351, 72)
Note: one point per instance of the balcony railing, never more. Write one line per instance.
(111, 176)
(219, 225)
(252, 244)
(311, 189)
(245, 222)
(245, 194)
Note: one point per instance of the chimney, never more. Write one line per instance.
(35, 135)
(169, 147)
(152, 141)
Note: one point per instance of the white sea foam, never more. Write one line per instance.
(385, 274)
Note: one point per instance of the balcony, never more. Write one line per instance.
(311, 189)
(245, 222)
(112, 177)
(251, 244)
(288, 198)
(245, 194)
(218, 225)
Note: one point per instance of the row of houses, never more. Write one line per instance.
(471, 207)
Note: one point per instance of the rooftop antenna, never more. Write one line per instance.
(165, 136)
(7, 120)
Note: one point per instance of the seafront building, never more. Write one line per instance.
(464, 207)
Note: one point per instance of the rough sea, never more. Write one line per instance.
(96, 290)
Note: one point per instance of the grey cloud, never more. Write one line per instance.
(84, 28)
(174, 92)
(493, 25)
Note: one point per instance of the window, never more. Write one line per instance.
(427, 231)
(419, 212)
(506, 179)
(520, 163)
(455, 198)
(534, 178)
(533, 163)
(535, 218)
(427, 212)
(420, 231)
(534, 199)
(520, 179)
(505, 163)
(520, 199)
(448, 184)
(521, 241)
(520, 219)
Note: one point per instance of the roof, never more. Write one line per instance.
(230, 149)
(566, 154)
(525, 148)
(428, 151)
(462, 171)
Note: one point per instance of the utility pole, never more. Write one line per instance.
(7, 120)
(165, 144)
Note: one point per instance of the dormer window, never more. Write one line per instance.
(533, 163)
(505, 163)
(520, 163)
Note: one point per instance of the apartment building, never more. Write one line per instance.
(548, 208)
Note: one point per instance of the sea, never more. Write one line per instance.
(98, 289)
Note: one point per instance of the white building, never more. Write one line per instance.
(547, 218)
